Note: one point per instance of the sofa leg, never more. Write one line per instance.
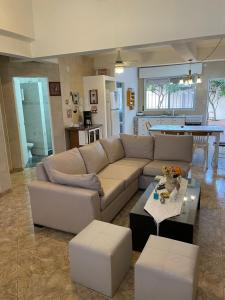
(39, 226)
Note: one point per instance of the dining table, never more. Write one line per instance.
(196, 130)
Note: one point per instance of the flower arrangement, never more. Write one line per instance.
(171, 171)
(172, 174)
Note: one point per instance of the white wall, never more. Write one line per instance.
(21, 123)
(72, 70)
(44, 86)
(129, 77)
(77, 26)
(62, 27)
(16, 27)
(16, 17)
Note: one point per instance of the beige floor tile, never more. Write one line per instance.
(34, 261)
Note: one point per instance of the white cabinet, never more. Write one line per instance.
(89, 136)
(178, 121)
(142, 130)
(172, 121)
(166, 121)
(140, 123)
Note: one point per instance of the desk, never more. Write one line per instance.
(195, 130)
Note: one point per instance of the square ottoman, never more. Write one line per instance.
(166, 269)
(100, 256)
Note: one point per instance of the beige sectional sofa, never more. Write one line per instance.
(64, 196)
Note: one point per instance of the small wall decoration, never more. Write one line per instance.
(54, 88)
(130, 98)
(94, 109)
(93, 96)
(75, 97)
(69, 113)
(102, 71)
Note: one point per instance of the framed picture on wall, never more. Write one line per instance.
(54, 88)
(93, 95)
(94, 109)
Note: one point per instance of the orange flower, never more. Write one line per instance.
(172, 171)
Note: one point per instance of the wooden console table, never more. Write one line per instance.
(80, 136)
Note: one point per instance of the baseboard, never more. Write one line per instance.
(6, 192)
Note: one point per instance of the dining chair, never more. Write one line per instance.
(201, 141)
(172, 132)
(221, 153)
(148, 125)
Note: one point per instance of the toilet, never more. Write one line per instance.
(29, 147)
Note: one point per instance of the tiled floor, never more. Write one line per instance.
(34, 261)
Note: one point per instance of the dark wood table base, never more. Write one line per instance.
(178, 228)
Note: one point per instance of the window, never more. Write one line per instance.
(168, 94)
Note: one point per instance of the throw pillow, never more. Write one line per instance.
(87, 181)
(68, 162)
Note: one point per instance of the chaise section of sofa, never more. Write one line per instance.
(118, 165)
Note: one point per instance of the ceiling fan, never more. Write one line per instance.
(120, 64)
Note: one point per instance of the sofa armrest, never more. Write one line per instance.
(40, 172)
(62, 207)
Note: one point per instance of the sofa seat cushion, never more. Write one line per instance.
(113, 148)
(173, 147)
(94, 157)
(126, 173)
(111, 189)
(138, 146)
(68, 162)
(154, 168)
(135, 162)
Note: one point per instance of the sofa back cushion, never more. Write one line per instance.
(113, 148)
(173, 147)
(68, 162)
(94, 157)
(138, 146)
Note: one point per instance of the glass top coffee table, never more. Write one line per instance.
(179, 228)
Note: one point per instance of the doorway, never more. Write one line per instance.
(120, 95)
(34, 119)
(216, 103)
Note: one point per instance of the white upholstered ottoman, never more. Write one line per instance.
(100, 256)
(166, 269)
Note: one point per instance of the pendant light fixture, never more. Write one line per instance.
(199, 80)
(119, 64)
(190, 78)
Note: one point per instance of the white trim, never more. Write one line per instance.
(169, 71)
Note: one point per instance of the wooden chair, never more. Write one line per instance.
(172, 132)
(201, 141)
(221, 153)
(148, 125)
